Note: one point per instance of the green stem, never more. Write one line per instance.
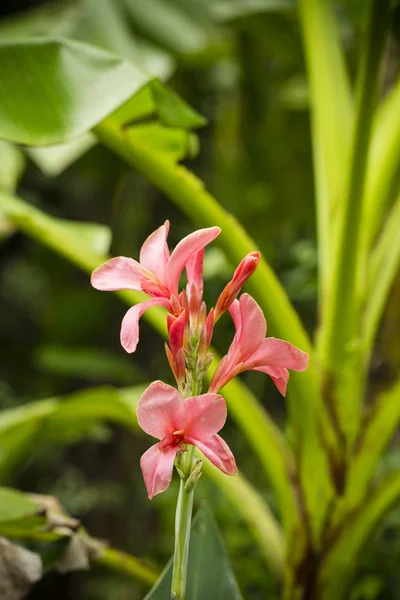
(128, 565)
(183, 521)
(341, 350)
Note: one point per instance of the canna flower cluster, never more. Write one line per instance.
(188, 417)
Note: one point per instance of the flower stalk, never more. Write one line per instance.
(183, 522)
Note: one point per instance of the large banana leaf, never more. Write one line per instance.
(53, 91)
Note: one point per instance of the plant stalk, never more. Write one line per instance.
(183, 522)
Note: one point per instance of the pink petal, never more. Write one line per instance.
(218, 452)
(227, 369)
(279, 376)
(206, 415)
(194, 270)
(118, 273)
(157, 465)
(236, 314)
(184, 251)
(253, 325)
(154, 253)
(130, 322)
(273, 352)
(161, 410)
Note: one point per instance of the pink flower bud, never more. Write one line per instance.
(176, 330)
(232, 289)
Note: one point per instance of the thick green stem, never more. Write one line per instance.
(341, 348)
(183, 522)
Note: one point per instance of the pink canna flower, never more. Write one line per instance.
(165, 415)
(251, 350)
(157, 274)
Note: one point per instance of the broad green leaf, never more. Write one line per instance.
(68, 85)
(173, 112)
(53, 160)
(98, 22)
(172, 144)
(67, 88)
(15, 505)
(209, 572)
(161, 22)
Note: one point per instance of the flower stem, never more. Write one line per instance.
(183, 520)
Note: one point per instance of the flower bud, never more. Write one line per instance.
(194, 475)
(176, 325)
(245, 269)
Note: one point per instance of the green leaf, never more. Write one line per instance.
(383, 164)
(228, 10)
(173, 111)
(15, 505)
(375, 437)
(89, 363)
(209, 572)
(383, 267)
(340, 562)
(331, 120)
(53, 160)
(68, 88)
(172, 144)
(168, 25)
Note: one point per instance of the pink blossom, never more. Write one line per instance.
(245, 269)
(251, 350)
(165, 415)
(157, 274)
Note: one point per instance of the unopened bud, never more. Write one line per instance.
(194, 475)
(245, 269)
(176, 330)
(194, 298)
(203, 341)
(179, 464)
